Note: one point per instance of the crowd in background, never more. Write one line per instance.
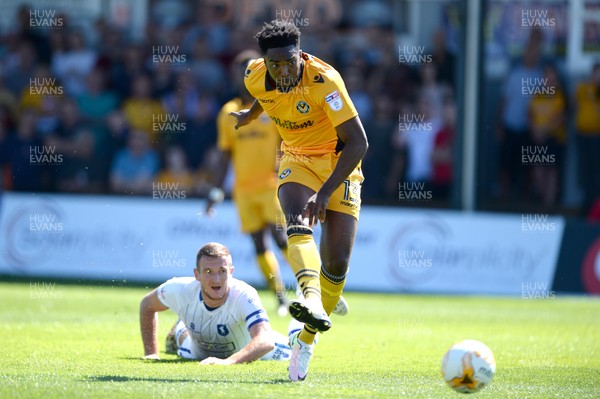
(95, 99)
(98, 99)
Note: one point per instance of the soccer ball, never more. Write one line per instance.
(468, 366)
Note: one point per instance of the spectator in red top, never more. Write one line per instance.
(441, 157)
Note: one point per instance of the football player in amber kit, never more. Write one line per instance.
(319, 175)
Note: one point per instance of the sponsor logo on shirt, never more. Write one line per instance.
(291, 125)
(334, 100)
(285, 173)
(266, 100)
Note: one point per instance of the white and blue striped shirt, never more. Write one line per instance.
(218, 332)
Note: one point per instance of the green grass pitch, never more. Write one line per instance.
(67, 341)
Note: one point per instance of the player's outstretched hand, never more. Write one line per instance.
(315, 208)
(216, 360)
(242, 117)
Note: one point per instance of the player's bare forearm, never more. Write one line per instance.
(149, 322)
(222, 167)
(260, 344)
(149, 330)
(355, 141)
(256, 348)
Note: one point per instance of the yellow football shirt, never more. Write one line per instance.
(587, 119)
(306, 115)
(253, 148)
(543, 111)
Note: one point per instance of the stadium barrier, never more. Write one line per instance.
(396, 250)
(578, 268)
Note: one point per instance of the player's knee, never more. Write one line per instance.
(298, 230)
(337, 267)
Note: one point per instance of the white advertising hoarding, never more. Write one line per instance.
(396, 250)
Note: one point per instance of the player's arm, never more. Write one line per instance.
(355, 142)
(260, 344)
(246, 116)
(149, 307)
(216, 193)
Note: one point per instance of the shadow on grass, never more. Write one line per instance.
(162, 360)
(122, 378)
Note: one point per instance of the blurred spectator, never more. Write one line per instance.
(185, 93)
(32, 34)
(513, 131)
(200, 136)
(442, 155)
(96, 102)
(20, 67)
(414, 144)
(78, 170)
(355, 84)
(547, 119)
(176, 170)
(208, 24)
(443, 60)
(127, 66)
(23, 155)
(587, 122)
(72, 66)
(135, 166)
(163, 80)
(433, 89)
(380, 130)
(208, 72)
(141, 110)
(8, 102)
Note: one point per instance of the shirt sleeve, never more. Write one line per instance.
(334, 99)
(251, 309)
(169, 293)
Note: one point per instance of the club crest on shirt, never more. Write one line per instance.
(302, 107)
(222, 329)
(334, 100)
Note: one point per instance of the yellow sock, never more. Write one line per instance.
(331, 289)
(270, 268)
(305, 261)
(307, 335)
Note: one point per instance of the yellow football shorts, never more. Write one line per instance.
(258, 209)
(312, 171)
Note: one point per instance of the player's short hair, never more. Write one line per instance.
(278, 33)
(213, 250)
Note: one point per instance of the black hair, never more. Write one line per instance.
(277, 33)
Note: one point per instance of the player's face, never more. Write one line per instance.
(283, 64)
(213, 275)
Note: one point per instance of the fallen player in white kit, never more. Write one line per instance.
(221, 318)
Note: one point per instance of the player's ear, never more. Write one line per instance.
(197, 273)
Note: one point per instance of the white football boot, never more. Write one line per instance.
(301, 355)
